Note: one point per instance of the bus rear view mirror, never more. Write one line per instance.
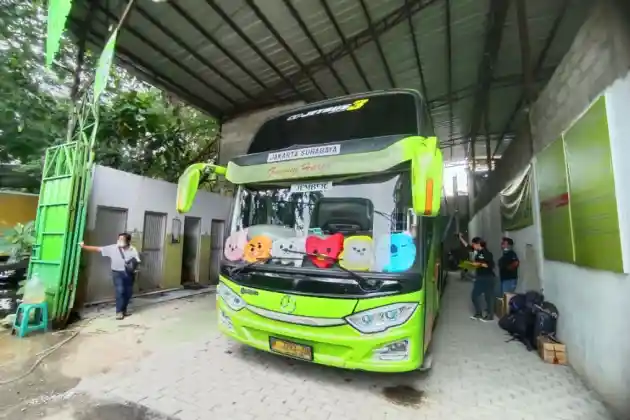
(188, 183)
(426, 176)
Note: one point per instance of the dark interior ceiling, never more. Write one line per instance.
(230, 57)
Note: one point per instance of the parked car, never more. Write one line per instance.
(10, 277)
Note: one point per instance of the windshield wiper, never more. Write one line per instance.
(238, 269)
(364, 283)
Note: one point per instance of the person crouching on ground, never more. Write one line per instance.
(484, 278)
(124, 260)
(508, 267)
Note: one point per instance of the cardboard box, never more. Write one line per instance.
(552, 351)
(506, 302)
(498, 307)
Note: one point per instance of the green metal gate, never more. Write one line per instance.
(59, 225)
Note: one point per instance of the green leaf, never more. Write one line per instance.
(58, 11)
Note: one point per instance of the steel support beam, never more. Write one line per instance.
(227, 19)
(344, 42)
(449, 69)
(296, 15)
(487, 135)
(360, 39)
(263, 18)
(526, 63)
(537, 71)
(208, 36)
(416, 53)
(182, 44)
(136, 64)
(377, 41)
(497, 83)
(81, 42)
(526, 54)
(493, 37)
(166, 55)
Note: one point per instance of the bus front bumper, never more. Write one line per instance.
(398, 349)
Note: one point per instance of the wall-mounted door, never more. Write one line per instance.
(217, 231)
(190, 254)
(153, 234)
(110, 222)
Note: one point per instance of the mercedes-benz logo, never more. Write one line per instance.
(287, 304)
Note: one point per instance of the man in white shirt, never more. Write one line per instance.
(124, 259)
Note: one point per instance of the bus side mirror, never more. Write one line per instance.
(426, 179)
(188, 183)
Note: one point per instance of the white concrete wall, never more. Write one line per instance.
(618, 113)
(487, 225)
(136, 194)
(594, 305)
(113, 188)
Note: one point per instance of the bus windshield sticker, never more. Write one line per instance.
(353, 106)
(307, 152)
(312, 187)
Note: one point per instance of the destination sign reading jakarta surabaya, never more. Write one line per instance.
(308, 152)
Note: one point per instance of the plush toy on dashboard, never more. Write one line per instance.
(289, 251)
(257, 249)
(395, 252)
(358, 253)
(330, 246)
(235, 245)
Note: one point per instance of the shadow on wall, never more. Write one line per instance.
(529, 278)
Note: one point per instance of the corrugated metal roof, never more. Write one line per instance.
(232, 56)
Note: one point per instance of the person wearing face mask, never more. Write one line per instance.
(124, 260)
(508, 267)
(483, 261)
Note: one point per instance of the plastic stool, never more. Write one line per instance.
(23, 315)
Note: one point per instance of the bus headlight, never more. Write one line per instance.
(233, 300)
(380, 319)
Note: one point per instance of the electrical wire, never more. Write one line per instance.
(45, 353)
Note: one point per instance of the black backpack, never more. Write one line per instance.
(533, 299)
(520, 325)
(517, 302)
(546, 320)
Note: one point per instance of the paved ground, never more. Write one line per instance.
(476, 375)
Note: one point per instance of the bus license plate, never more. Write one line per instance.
(288, 348)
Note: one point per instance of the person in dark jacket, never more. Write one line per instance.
(484, 279)
(508, 267)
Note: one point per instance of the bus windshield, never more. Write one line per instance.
(376, 115)
(366, 214)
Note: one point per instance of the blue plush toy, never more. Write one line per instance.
(395, 252)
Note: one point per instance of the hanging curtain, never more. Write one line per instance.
(516, 202)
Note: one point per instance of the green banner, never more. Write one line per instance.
(58, 11)
(592, 185)
(516, 203)
(555, 213)
(104, 66)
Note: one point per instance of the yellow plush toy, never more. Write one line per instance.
(358, 253)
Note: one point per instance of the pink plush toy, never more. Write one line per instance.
(235, 245)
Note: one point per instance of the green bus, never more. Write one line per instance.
(334, 245)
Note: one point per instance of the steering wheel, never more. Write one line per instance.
(336, 225)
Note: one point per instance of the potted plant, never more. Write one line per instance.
(13, 273)
(21, 239)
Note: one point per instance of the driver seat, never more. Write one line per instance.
(343, 215)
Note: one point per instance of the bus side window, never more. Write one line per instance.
(402, 203)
